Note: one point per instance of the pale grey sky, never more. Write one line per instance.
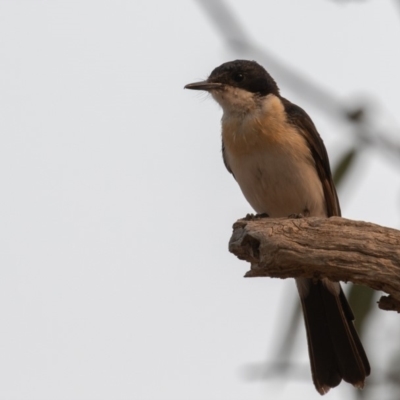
(116, 209)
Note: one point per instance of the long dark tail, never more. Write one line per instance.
(334, 347)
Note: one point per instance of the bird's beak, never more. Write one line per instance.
(204, 85)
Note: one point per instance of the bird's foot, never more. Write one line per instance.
(296, 216)
(252, 217)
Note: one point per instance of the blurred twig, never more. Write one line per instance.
(239, 41)
(365, 130)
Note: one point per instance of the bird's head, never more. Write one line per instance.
(238, 85)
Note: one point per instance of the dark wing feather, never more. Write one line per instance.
(299, 118)
(335, 349)
(225, 160)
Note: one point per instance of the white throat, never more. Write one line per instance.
(236, 101)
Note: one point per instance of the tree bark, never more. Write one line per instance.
(335, 248)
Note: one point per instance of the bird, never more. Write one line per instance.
(275, 153)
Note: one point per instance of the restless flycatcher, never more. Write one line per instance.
(275, 153)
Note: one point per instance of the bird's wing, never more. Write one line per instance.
(225, 159)
(300, 119)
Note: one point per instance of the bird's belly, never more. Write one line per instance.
(278, 184)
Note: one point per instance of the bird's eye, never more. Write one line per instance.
(238, 77)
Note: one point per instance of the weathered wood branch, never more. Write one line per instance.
(335, 248)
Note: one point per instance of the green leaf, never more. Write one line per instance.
(343, 167)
